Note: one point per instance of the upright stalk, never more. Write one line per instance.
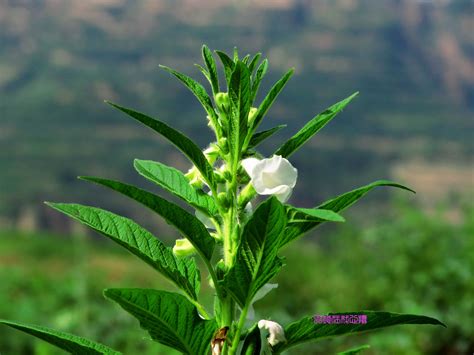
(240, 325)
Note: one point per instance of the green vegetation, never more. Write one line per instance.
(240, 247)
(421, 262)
(413, 103)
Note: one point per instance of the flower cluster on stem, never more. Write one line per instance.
(239, 182)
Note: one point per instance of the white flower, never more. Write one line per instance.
(272, 176)
(277, 334)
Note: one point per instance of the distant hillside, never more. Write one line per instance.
(412, 61)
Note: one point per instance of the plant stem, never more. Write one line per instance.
(240, 325)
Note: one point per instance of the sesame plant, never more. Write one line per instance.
(238, 223)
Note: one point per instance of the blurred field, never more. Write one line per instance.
(412, 62)
(420, 264)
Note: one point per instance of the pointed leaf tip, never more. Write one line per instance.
(69, 342)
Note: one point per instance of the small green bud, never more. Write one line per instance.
(252, 114)
(220, 269)
(216, 236)
(211, 153)
(247, 194)
(183, 247)
(195, 178)
(210, 124)
(222, 101)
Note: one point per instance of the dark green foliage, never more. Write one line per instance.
(257, 260)
(69, 342)
(168, 317)
(308, 330)
(249, 243)
(185, 222)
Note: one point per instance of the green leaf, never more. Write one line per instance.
(261, 71)
(252, 342)
(186, 145)
(168, 317)
(211, 67)
(245, 59)
(259, 137)
(204, 72)
(239, 95)
(337, 204)
(69, 342)
(189, 226)
(306, 329)
(175, 182)
(313, 126)
(198, 91)
(270, 98)
(354, 351)
(183, 272)
(253, 62)
(345, 200)
(227, 63)
(257, 261)
(299, 215)
(236, 55)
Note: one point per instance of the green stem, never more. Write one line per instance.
(238, 332)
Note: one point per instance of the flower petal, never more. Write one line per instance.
(272, 176)
(249, 165)
(277, 334)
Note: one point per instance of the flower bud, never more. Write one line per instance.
(210, 124)
(275, 330)
(252, 115)
(195, 178)
(211, 153)
(220, 269)
(222, 101)
(247, 193)
(183, 247)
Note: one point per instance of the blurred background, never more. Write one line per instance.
(412, 61)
